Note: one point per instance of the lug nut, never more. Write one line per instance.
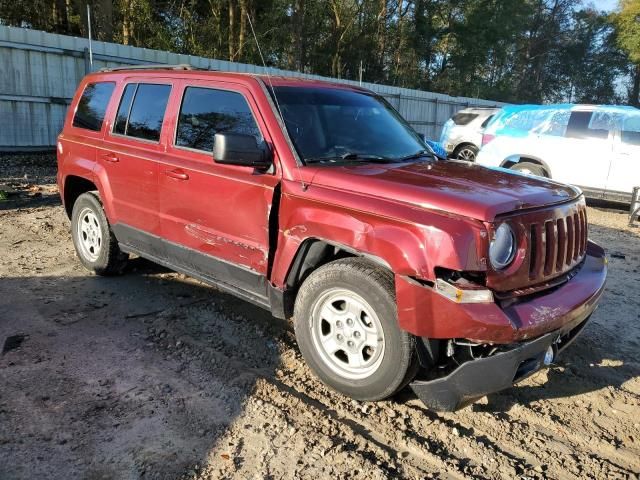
(350, 343)
(339, 324)
(340, 337)
(349, 321)
(356, 334)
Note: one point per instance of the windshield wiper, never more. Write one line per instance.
(416, 155)
(365, 157)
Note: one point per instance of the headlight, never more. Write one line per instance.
(503, 247)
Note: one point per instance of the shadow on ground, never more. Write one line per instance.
(135, 376)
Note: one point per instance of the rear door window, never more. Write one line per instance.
(206, 111)
(93, 105)
(580, 126)
(123, 110)
(141, 111)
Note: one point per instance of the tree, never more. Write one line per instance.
(508, 50)
(627, 22)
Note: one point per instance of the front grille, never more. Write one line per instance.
(557, 245)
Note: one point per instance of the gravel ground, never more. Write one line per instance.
(154, 375)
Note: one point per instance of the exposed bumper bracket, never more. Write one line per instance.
(477, 378)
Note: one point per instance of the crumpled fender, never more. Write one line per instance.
(409, 241)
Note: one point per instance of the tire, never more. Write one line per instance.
(361, 296)
(529, 168)
(466, 152)
(93, 239)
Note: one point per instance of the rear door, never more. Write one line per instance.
(129, 157)
(582, 157)
(216, 217)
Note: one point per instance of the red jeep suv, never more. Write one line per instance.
(317, 201)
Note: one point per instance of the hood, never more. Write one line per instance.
(457, 187)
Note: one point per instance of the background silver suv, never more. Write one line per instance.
(462, 134)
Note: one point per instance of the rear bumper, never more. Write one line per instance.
(477, 378)
(424, 313)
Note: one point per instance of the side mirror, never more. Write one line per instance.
(240, 149)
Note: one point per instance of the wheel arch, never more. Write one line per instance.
(313, 253)
(74, 186)
(511, 160)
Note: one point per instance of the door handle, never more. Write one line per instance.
(177, 173)
(110, 157)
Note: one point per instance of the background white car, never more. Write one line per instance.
(462, 134)
(594, 147)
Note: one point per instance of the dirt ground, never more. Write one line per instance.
(153, 375)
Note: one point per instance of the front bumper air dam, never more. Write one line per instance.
(477, 378)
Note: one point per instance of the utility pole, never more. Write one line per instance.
(89, 28)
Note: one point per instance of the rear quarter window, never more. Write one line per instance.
(93, 106)
(463, 118)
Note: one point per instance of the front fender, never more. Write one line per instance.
(412, 242)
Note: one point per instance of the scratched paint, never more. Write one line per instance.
(201, 233)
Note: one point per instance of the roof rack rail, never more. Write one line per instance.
(151, 66)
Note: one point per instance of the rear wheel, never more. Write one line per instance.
(466, 152)
(95, 243)
(347, 330)
(529, 168)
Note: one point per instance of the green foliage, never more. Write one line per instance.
(510, 50)
(628, 23)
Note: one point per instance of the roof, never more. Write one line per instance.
(185, 70)
(571, 107)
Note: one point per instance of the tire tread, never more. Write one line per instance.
(360, 268)
(114, 262)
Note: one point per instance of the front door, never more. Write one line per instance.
(625, 165)
(216, 217)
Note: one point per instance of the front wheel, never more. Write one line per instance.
(347, 330)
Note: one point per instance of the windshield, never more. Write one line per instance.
(330, 124)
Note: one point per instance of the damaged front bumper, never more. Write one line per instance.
(477, 378)
(523, 330)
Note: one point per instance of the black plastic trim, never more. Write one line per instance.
(476, 378)
(240, 281)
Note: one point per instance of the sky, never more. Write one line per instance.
(607, 5)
